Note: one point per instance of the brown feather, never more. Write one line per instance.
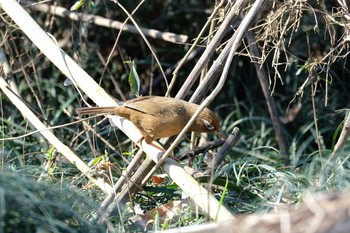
(158, 117)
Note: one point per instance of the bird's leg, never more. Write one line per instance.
(150, 141)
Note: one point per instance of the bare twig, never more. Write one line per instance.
(104, 22)
(130, 188)
(193, 46)
(317, 132)
(5, 66)
(144, 39)
(230, 142)
(124, 178)
(271, 104)
(201, 149)
(192, 77)
(170, 70)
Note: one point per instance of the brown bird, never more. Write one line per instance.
(159, 117)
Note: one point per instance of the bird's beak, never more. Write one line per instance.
(221, 135)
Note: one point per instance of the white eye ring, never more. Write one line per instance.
(208, 125)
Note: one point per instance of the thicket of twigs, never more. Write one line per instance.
(283, 103)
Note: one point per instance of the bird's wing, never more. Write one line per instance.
(139, 105)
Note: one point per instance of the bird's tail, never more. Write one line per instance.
(95, 110)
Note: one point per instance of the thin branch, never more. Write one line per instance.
(201, 149)
(229, 143)
(193, 46)
(104, 22)
(270, 101)
(317, 132)
(144, 39)
(130, 187)
(204, 59)
(125, 177)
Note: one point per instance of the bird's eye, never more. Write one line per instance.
(208, 125)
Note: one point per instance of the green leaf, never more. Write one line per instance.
(221, 181)
(336, 133)
(77, 5)
(50, 152)
(222, 199)
(95, 160)
(134, 80)
(91, 5)
(156, 225)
